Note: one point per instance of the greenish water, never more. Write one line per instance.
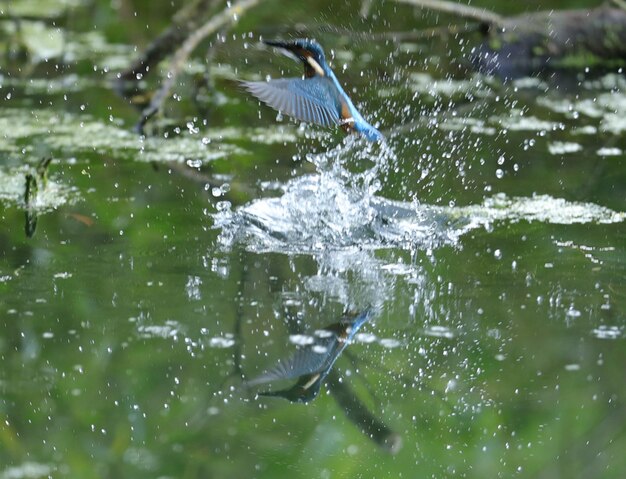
(487, 238)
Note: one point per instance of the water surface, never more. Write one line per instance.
(486, 239)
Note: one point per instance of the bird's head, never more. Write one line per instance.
(311, 48)
(306, 50)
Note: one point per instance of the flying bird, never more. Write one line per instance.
(317, 98)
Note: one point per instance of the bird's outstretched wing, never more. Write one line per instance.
(309, 100)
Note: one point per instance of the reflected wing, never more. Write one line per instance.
(305, 361)
(305, 390)
(311, 100)
(319, 357)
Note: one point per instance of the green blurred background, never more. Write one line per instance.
(126, 321)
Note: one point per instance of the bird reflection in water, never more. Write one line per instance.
(312, 365)
(312, 362)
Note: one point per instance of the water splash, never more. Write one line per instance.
(325, 212)
(335, 208)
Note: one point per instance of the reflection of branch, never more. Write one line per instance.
(228, 15)
(480, 14)
(358, 413)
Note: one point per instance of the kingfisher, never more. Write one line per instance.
(311, 364)
(316, 98)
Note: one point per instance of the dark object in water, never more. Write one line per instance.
(30, 216)
(33, 183)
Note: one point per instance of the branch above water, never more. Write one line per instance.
(188, 33)
(458, 9)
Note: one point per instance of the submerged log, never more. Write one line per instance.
(567, 38)
(531, 42)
